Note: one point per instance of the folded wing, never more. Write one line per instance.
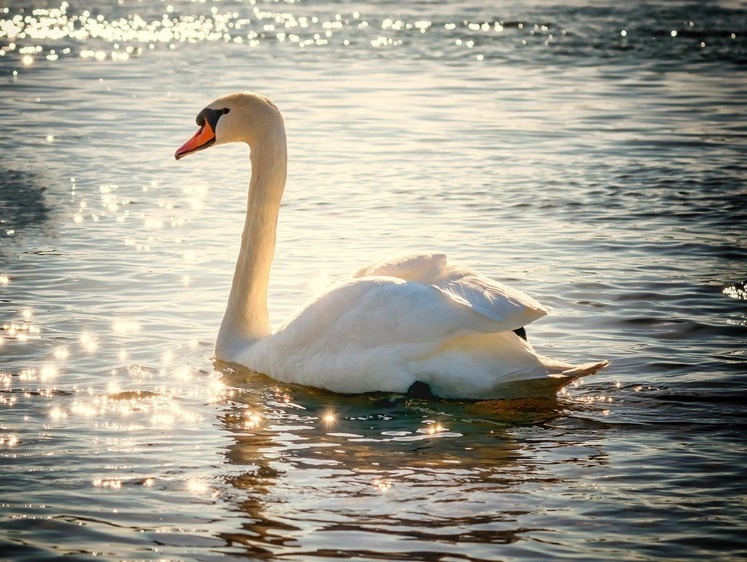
(508, 307)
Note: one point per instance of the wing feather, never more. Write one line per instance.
(500, 303)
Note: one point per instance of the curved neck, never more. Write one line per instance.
(246, 318)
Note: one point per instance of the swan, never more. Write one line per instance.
(408, 322)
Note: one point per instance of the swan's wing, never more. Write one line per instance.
(507, 306)
(382, 310)
(383, 334)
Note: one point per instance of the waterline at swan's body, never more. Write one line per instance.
(395, 322)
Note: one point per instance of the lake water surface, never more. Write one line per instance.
(592, 154)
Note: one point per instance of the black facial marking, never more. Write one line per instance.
(210, 116)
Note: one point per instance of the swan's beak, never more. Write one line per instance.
(201, 140)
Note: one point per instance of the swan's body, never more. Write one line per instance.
(394, 323)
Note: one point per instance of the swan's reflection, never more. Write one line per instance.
(328, 475)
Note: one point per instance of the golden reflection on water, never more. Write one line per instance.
(252, 420)
(339, 461)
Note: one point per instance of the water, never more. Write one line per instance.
(593, 154)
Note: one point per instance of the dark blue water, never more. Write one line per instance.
(592, 154)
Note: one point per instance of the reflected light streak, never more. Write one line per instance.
(107, 483)
(160, 411)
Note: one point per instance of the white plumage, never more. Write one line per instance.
(394, 322)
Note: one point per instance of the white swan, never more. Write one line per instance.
(395, 324)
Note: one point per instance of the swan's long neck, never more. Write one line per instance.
(246, 318)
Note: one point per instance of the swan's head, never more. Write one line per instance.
(242, 117)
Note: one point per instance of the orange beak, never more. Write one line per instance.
(201, 140)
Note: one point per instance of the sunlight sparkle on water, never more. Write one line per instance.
(432, 428)
(383, 484)
(57, 413)
(113, 387)
(89, 342)
(216, 391)
(252, 420)
(198, 486)
(183, 373)
(84, 409)
(125, 327)
(108, 483)
(329, 417)
(48, 372)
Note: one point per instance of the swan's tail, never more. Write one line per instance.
(585, 369)
(559, 374)
(556, 367)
